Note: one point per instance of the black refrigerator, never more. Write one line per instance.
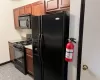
(49, 37)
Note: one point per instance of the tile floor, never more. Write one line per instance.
(9, 72)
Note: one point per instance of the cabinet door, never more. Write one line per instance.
(21, 10)
(52, 4)
(11, 51)
(64, 3)
(38, 9)
(28, 9)
(16, 14)
(29, 52)
(29, 59)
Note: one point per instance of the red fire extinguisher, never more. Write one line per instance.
(70, 50)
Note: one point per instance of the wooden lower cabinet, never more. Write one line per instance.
(29, 59)
(11, 51)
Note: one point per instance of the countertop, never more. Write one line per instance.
(29, 46)
(13, 41)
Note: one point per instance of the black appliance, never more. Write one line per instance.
(20, 55)
(49, 35)
(25, 21)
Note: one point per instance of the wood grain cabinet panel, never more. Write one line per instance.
(22, 10)
(57, 5)
(29, 51)
(16, 14)
(28, 9)
(52, 4)
(38, 9)
(64, 3)
(11, 51)
(29, 59)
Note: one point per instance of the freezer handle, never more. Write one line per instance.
(42, 40)
(36, 45)
(35, 48)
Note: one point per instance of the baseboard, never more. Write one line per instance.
(5, 63)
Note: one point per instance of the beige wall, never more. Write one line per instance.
(19, 3)
(74, 32)
(7, 30)
(23, 32)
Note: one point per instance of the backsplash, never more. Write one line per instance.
(23, 32)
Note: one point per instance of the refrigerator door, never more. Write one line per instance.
(54, 49)
(37, 64)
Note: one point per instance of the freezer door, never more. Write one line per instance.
(53, 49)
(37, 64)
(36, 27)
(37, 68)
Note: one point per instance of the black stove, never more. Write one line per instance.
(20, 55)
(23, 43)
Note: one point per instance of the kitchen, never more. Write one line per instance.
(35, 8)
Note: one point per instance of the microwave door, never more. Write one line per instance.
(23, 23)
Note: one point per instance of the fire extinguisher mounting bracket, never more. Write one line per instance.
(72, 39)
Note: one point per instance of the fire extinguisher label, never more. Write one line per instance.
(69, 53)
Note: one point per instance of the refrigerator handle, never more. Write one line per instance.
(41, 44)
(42, 40)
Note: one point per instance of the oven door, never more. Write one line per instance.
(24, 22)
(19, 56)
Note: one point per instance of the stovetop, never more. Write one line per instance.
(22, 43)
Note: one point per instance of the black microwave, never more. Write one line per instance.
(25, 21)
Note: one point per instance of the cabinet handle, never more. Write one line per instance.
(29, 55)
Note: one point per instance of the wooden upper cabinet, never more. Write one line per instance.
(57, 5)
(64, 3)
(16, 14)
(52, 4)
(22, 10)
(28, 9)
(38, 8)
